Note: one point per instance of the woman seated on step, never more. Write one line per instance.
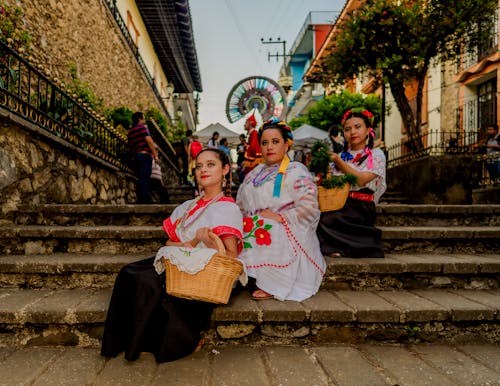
(351, 231)
(280, 207)
(141, 316)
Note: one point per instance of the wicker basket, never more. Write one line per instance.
(213, 284)
(332, 199)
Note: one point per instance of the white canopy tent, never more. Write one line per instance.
(308, 135)
(205, 134)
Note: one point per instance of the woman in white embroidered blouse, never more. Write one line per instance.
(279, 203)
(350, 231)
(141, 316)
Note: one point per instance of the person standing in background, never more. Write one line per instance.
(223, 145)
(241, 156)
(253, 155)
(213, 143)
(159, 192)
(492, 149)
(143, 150)
(186, 142)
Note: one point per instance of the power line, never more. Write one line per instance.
(246, 41)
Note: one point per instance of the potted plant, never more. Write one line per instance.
(332, 190)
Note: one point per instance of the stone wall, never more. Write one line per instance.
(445, 179)
(84, 34)
(38, 168)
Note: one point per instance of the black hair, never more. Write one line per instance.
(136, 116)
(285, 131)
(225, 161)
(333, 131)
(189, 133)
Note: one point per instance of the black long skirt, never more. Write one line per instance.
(351, 231)
(143, 318)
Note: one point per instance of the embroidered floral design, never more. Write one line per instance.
(247, 224)
(262, 237)
(255, 227)
(305, 184)
(188, 251)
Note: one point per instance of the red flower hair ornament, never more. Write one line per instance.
(366, 113)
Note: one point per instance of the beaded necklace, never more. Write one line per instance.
(264, 174)
(188, 220)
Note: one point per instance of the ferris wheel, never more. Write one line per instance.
(256, 92)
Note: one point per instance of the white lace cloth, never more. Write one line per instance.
(190, 260)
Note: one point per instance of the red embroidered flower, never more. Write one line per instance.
(247, 224)
(260, 222)
(262, 237)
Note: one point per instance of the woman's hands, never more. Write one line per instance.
(335, 157)
(201, 236)
(344, 167)
(267, 213)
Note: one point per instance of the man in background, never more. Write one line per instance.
(493, 151)
(143, 150)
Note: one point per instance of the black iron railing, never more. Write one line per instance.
(434, 142)
(448, 142)
(487, 167)
(26, 92)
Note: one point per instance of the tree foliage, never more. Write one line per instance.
(397, 39)
(329, 111)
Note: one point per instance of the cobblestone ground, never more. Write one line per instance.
(464, 364)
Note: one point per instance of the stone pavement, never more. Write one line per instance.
(388, 364)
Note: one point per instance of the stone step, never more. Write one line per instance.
(396, 271)
(438, 215)
(387, 215)
(57, 271)
(114, 239)
(75, 317)
(473, 363)
(93, 215)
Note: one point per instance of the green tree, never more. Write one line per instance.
(396, 40)
(329, 111)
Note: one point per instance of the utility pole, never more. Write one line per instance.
(276, 55)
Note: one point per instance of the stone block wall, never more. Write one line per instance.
(38, 168)
(84, 34)
(445, 179)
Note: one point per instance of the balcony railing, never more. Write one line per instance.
(435, 143)
(485, 48)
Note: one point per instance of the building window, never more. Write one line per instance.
(134, 32)
(489, 43)
(487, 103)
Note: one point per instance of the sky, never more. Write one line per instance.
(228, 36)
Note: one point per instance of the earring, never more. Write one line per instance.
(224, 181)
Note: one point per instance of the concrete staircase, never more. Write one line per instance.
(439, 281)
